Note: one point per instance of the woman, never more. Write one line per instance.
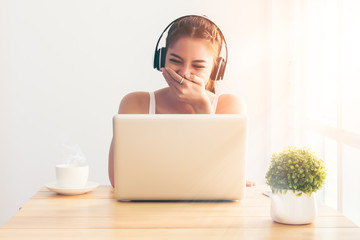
(193, 48)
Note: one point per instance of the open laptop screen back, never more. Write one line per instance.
(179, 157)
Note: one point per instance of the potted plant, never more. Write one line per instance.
(294, 174)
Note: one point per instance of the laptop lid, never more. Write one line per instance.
(179, 157)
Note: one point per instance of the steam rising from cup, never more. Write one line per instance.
(72, 154)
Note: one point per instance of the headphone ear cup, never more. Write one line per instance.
(219, 69)
(159, 58)
(222, 67)
(163, 52)
(156, 59)
(215, 70)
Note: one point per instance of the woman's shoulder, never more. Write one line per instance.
(135, 103)
(230, 104)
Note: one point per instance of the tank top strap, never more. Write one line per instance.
(152, 103)
(214, 103)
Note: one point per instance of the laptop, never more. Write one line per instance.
(179, 156)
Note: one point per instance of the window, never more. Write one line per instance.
(325, 83)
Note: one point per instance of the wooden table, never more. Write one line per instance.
(97, 215)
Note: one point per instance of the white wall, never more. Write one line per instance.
(65, 65)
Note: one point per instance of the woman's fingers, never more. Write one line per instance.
(188, 88)
(182, 79)
(250, 184)
(176, 77)
(195, 79)
(172, 83)
(175, 87)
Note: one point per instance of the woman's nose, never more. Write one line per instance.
(183, 70)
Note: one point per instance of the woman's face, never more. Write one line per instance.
(191, 55)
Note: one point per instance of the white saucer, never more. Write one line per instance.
(72, 191)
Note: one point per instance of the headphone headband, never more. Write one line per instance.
(158, 59)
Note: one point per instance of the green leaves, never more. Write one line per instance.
(296, 169)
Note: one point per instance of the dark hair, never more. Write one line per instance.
(197, 27)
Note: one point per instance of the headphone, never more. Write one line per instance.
(160, 54)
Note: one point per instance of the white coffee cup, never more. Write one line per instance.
(72, 175)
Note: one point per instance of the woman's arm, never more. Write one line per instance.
(133, 103)
(111, 164)
(231, 104)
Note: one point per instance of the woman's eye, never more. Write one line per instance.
(199, 66)
(175, 61)
(179, 62)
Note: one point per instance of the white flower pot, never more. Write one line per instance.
(291, 209)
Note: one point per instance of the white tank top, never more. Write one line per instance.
(152, 103)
